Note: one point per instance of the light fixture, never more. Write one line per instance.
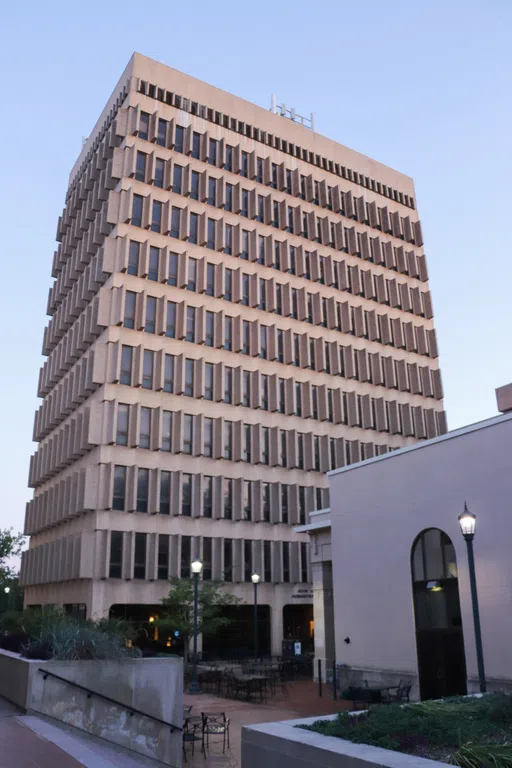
(467, 522)
(7, 590)
(434, 586)
(151, 619)
(255, 578)
(197, 566)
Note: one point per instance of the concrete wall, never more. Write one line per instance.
(153, 686)
(281, 745)
(378, 509)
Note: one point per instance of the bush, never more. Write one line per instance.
(51, 634)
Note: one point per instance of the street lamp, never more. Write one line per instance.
(255, 580)
(197, 567)
(467, 522)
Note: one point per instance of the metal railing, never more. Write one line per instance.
(131, 710)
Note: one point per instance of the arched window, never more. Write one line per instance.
(433, 557)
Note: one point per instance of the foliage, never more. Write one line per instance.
(11, 545)
(49, 633)
(470, 732)
(178, 608)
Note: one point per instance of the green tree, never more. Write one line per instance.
(11, 545)
(178, 608)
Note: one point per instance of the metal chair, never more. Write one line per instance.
(215, 725)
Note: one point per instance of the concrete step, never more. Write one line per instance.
(86, 749)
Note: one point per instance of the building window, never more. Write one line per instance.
(159, 173)
(162, 132)
(247, 560)
(210, 237)
(246, 389)
(284, 449)
(259, 170)
(228, 385)
(228, 165)
(246, 337)
(125, 375)
(150, 324)
(228, 498)
(165, 493)
(210, 279)
(284, 503)
(175, 222)
(228, 285)
(314, 399)
(154, 257)
(280, 345)
(186, 557)
(207, 496)
(294, 303)
(282, 395)
(245, 245)
(229, 197)
(166, 430)
(277, 255)
(298, 399)
(266, 502)
(303, 562)
(246, 456)
(187, 433)
(147, 368)
(208, 437)
(129, 309)
(142, 490)
(267, 561)
(179, 138)
(228, 240)
(133, 258)
(228, 440)
(192, 274)
(279, 299)
(189, 378)
(191, 324)
(273, 183)
(139, 566)
(212, 191)
(145, 428)
(264, 392)
(300, 450)
(265, 445)
(116, 555)
(244, 206)
(263, 294)
(207, 558)
(163, 557)
(194, 228)
(209, 329)
(286, 561)
(245, 291)
(261, 202)
(194, 185)
(119, 493)
(296, 349)
(196, 145)
(228, 333)
(156, 216)
(143, 131)
(186, 496)
(244, 164)
(316, 448)
(208, 381)
(177, 179)
(228, 560)
(246, 501)
(169, 373)
(263, 341)
(173, 269)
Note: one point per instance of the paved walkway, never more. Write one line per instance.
(302, 701)
(20, 747)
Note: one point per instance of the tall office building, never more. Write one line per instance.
(239, 305)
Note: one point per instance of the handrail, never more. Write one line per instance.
(132, 710)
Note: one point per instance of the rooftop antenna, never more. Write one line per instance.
(291, 114)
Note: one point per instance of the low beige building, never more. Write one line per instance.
(239, 305)
(390, 566)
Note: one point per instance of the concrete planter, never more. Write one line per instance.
(281, 745)
(152, 686)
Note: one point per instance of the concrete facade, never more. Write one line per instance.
(379, 508)
(239, 305)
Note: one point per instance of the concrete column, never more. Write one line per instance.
(324, 615)
(276, 628)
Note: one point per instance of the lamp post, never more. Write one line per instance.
(7, 591)
(255, 580)
(197, 567)
(467, 522)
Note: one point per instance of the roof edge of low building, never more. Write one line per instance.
(485, 424)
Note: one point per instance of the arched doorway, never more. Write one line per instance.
(439, 638)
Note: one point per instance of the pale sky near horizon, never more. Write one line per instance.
(423, 86)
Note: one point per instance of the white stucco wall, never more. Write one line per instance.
(379, 507)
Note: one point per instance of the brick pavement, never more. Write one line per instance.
(302, 701)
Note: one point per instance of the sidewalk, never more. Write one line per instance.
(20, 747)
(302, 701)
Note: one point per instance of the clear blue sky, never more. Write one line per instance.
(422, 85)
